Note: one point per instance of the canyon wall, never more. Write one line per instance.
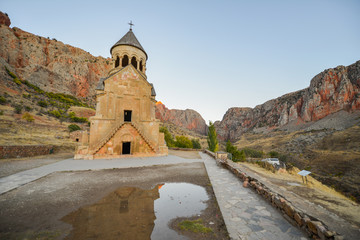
(330, 91)
(50, 64)
(189, 119)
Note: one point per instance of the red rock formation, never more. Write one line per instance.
(188, 118)
(4, 19)
(333, 90)
(51, 64)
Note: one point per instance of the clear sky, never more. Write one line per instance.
(209, 55)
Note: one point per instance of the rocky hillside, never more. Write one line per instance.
(188, 119)
(60, 68)
(50, 64)
(332, 90)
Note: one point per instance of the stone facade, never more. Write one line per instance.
(125, 123)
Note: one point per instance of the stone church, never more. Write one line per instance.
(124, 123)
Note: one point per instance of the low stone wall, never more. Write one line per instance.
(184, 149)
(25, 151)
(311, 225)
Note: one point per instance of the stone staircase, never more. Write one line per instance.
(143, 136)
(112, 132)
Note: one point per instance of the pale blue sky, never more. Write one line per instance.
(209, 55)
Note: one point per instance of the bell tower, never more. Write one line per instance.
(127, 51)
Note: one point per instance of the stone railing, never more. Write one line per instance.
(315, 228)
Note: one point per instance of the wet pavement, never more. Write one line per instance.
(246, 215)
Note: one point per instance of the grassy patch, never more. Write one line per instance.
(195, 226)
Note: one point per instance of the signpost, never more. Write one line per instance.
(304, 173)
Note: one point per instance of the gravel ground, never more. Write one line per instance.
(35, 210)
(15, 165)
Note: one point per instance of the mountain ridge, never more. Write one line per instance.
(330, 91)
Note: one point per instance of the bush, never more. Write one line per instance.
(18, 108)
(28, 109)
(168, 137)
(73, 127)
(2, 100)
(42, 103)
(274, 154)
(253, 153)
(55, 113)
(28, 117)
(14, 77)
(79, 119)
(183, 142)
(196, 143)
(237, 156)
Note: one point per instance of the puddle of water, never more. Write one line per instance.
(134, 213)
(177, 200)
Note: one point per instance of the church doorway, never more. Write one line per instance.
(127, 116)
(126, 146)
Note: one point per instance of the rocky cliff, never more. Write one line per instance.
(50, 64)
(189, 119)
(332, 90)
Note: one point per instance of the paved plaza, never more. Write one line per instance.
(246, 215)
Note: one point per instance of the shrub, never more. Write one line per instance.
(79, 119)
(1, 112)
(34, 87)
(27, 108)
(18, 108)
(196, 143)
(253, 153)
(73, 127)
(183, 142)
(237, 156)
(274, 154)
(28, 117)
(55, 113)
(2, 100)
(168, 137)
(14, 77)
(42, 103)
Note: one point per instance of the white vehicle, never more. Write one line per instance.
(273, 161)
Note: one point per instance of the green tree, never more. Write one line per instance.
(183, 142)
(73, 127)
(168, 137)
(196, 143)
(212, 138)
(236, 154)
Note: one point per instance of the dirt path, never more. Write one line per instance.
(334, 209)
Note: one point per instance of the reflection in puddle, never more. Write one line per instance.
(177, 200)
(134, 213)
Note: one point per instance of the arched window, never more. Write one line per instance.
(134, 62)
(125, 61)
(141, 66)
(117, 61)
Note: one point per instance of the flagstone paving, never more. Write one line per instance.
(247, 216)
